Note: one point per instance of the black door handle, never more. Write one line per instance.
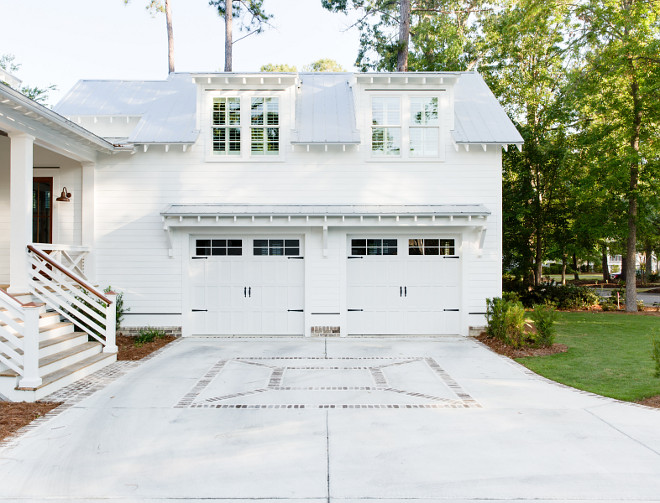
(245, 291)
(250, 292)
(405, 291)
(400, 291)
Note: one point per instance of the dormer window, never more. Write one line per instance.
(386, 126)
(264, 126)
(226, 126)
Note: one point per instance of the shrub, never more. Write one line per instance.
(562, 296)
(653, 277)
(656, 355)
(148, 334)
(607, 304)
(505, 321)
(640, 305)
(120, 310)
(544, 316)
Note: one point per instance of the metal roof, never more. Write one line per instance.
(183, 210)
(167, 108)
(29, 116)
(325, 110)
(478, 116)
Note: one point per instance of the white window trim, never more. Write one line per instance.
(245, 156)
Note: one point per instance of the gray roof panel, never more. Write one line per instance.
(478, 116)
(325, 109)
(167, 108)
(176, 210)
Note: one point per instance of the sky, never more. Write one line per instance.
(62, 41)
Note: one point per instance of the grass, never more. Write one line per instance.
(609, 354)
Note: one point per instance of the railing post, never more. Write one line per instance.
(110, 324)
(30, 377)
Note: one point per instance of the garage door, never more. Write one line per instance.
(247, 286)
(403, 286)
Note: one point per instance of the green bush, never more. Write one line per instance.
(505, 321)
(656, 355)
(544, 317)
(120, 310)
(562, 296)
(148, 334)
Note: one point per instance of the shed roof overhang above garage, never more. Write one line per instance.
(324, 216)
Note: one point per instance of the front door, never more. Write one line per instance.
(42, 210)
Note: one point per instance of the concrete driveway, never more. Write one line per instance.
(341, 420)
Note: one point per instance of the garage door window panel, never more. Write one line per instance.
(433, 247)
(218, 247)
(276, 247)
(371, 247)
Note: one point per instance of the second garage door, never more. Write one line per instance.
(403, 286)
(247, 286)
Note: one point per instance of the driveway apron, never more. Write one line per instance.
(332, 419)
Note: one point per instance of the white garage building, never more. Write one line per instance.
(283, 203)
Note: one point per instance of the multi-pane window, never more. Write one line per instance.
(373, 247)
(264, 126)
(386, 126)
(226, 126)
(218, 247)
(431, 247)
(277, 247)
(424, 126)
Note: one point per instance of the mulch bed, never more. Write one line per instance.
(499, 347)
(653, 401)
(129, 351)
(14, 416)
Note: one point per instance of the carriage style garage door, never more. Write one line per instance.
(247, 286)
(403, 286)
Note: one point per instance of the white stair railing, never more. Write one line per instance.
(19, 339)
(71, 257)
(70, 295)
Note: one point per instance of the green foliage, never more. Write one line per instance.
(251, 14)
(35, 93)
(120, 309)
(147, 335)
(323, 65)
(655, 354)
(562, 296)
(280, 67)
(544, 317)
(607, 354)
(505, 321)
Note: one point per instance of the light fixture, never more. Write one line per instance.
(65, 196)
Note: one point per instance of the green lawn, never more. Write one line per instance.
(608, 354)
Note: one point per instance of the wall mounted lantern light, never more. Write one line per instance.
(65, 196)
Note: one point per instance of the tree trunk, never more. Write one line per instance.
(606, 267)
(624, 267)
(170, 37)
(563, 270)
(631, 248)
(228, 35)
(576, 271)
(648, 249)
(404, 36)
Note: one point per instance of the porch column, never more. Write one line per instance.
(87, 213)
(20, 209)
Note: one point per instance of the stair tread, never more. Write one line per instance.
(59, 374)
(55, 325)
(56, 357)
(42, 316)
(50, 342)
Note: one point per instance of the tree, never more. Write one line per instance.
(323, 65)
(38, 94)
(252, 16)
(619, 95)
(280, 67)
(422, 35)
(155, 6)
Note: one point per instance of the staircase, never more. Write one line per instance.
(49, 337)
